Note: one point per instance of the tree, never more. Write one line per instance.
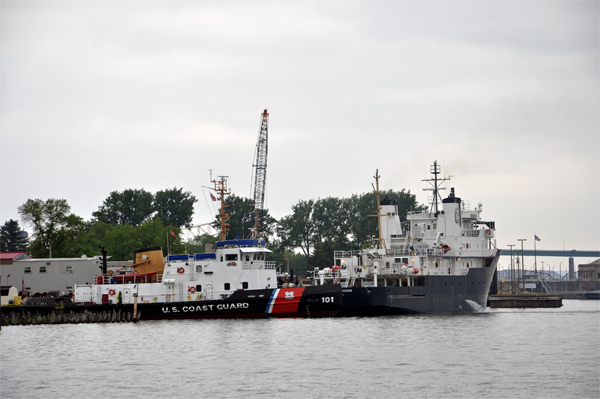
(241, 218)
(297, 230)
(174, 207)
(197, 245)
(55, 228)
(332, 218)
(132, 207)
(322, 255)
(46, 218)
(12, 238)
(121, 241)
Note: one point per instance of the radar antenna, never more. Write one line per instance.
(260, 167)
(436, 186)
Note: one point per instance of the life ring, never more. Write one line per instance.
(488, 232)
(192, 289)
(180, 270)
(111, 292)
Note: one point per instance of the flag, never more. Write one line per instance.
(23, 285)
(173, 234)
(537, 238)
(213, 197)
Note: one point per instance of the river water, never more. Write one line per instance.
(526, 353)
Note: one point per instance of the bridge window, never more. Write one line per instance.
(245, 285)
(227, 287)
(198, 287)
(231, 257)
(198, 268)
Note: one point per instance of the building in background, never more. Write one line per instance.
(53, 274)
(590, 272)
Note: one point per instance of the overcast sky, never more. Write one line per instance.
(98, 96)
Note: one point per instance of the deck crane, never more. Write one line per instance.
(260, 170)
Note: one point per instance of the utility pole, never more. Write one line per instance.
(512, 270)
(522, 263)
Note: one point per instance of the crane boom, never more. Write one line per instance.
(260, 167)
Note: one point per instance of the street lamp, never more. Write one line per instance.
(560, 271)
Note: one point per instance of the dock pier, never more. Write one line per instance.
(17, 316)
(525, 301)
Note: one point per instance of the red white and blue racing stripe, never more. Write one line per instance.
(285, 300)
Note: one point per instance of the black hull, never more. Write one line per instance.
(438, 295)
(317, 301)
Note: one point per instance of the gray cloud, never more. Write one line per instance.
(102, 96)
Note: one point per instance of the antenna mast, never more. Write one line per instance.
(260, 166)
(222, 190)
(380, 240)
(435, 183)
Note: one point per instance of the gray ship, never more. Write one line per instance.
(442, 260)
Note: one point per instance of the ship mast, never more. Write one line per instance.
(260, 165)
(222, 190)
(380, 240)
(435, 183)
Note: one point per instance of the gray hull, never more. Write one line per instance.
(437, 294)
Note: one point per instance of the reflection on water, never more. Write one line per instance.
(549, 353)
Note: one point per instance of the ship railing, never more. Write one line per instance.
(258, 265)
(99, 280)
(471, 233)
(395, 252)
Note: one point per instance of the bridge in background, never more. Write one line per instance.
(574, 253)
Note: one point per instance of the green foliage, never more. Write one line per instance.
(295, 262)
(12, 237)
(131, 207)
(121, 241)
(133, 220)
(322, 255)
(197, 245)
(175, 207)
(297, 230)
(318, 228)
(242, 219)
(54, 228)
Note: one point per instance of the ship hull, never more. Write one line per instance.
(313, 301)
(306, 302)
(437, 295)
